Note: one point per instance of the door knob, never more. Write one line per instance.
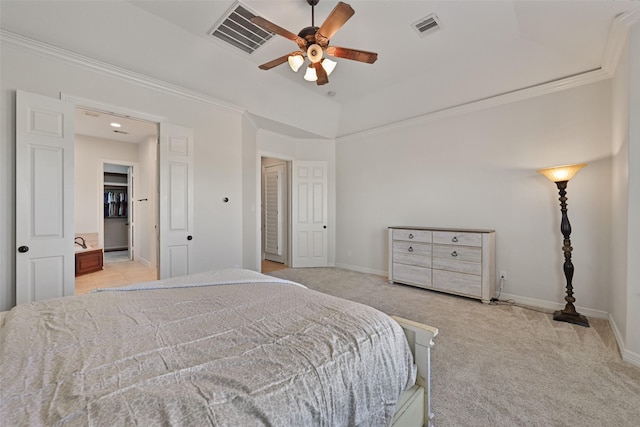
(189, 237)
(23, 249)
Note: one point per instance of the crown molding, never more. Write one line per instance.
(22, 42)
(559, 85)
(613, 50)
(617, 39)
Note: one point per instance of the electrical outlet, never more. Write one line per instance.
(503, 275)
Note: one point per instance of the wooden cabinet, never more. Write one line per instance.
(457, 261)
(88, 261)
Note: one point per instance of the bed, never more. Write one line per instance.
(224, 348)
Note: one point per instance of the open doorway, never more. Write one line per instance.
(118, 226)
(116, 204)
(275, 224)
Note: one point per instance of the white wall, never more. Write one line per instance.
(478, 170)
(633, 248)
(218, 167)
(250, 196)
(620, 194)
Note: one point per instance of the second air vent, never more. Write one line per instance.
(427, 25)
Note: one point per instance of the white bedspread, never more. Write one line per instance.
(260, 353)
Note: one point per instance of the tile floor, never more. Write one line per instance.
(115, 274)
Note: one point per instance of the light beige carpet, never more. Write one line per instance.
(502, 365)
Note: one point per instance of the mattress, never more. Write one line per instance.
(223, 348)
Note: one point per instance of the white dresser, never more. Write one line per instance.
(457, 261)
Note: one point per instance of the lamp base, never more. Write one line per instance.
(576, 319)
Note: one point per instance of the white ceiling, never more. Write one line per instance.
(483, 49)
(101, 125)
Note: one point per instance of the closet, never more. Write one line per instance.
(116, 211)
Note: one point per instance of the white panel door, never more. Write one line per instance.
(176, 201)
(45, 258)
(273, 213)
(309, 219)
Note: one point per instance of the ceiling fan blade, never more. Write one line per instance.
(353, 54)
(274, 63)
(321, 73)
(270, 26)
(336, 19)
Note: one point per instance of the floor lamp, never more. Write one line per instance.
(561, 176)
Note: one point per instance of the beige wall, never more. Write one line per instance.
(478, 170)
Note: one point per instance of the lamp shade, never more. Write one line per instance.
(295, 62)
(562, 173)
(310, 75)
(328, 65)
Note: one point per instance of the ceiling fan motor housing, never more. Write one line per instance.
(309, 34)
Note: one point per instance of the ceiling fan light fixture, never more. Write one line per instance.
(328, 65)
(310, 75)
(314, 53)
(295, 62)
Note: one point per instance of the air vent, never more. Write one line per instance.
(121, 132)
(236, 29)
(90, 113)
(427, 25)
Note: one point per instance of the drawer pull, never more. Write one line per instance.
(410, 249)
(454, 253)
(410, 236)
(455, 239)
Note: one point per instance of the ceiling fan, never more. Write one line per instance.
(314, 43)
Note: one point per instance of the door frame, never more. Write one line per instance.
(131, 193)
(287, 159)
(102, 107)
(286, 208)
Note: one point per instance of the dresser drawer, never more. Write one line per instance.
(456, 265)
(457, 238)
(459, 253)
(459, 283)
(412, 235)
(412, 247)
(413, 275)
(421, 260)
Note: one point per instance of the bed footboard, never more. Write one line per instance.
(420, 339)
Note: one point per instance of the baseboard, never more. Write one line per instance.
(524, 301)
(144, 262)
(550, 305)
(627, 356)
(362, 269)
